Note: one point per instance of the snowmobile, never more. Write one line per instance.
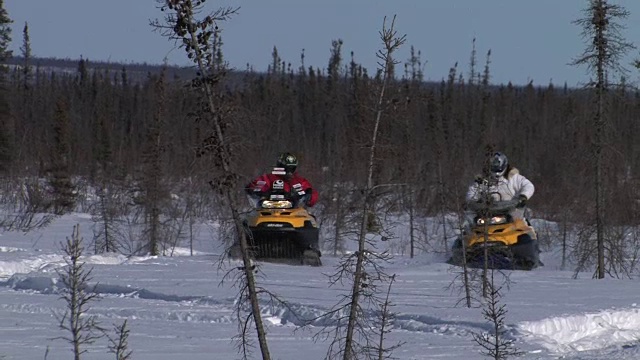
(510, 243)
(280, 229)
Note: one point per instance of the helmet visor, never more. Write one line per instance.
(498, 165)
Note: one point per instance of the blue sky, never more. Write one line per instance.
(530, 40)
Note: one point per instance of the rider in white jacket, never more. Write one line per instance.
(506, 183)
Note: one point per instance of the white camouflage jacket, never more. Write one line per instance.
(508, 187)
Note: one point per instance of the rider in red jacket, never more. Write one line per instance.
(288, 181)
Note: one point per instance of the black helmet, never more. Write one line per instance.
(288, 161)
(499, 163)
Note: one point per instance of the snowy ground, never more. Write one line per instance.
(177, 309)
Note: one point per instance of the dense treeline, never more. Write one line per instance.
(435, 136)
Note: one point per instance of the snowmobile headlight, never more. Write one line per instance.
(494, 220)
(276, 204)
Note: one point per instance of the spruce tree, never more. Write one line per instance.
(59, 173)
(602, 55)
(6, 120)
(5, 37)
(25, 49)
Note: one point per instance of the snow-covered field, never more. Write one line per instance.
(177, 309)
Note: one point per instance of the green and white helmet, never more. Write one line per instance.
(288, 161)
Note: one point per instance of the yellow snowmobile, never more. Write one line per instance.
(280, 229)
(497, 237)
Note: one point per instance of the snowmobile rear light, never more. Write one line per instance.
(494, 220)
(277, 204)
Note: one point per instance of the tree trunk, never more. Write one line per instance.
(599, 129)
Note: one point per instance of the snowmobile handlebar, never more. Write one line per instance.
(493, 206)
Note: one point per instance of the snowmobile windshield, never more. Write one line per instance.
(279, 200)
(276, 204)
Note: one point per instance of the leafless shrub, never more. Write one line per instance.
(620, 248)
(25, 205)
(351, 318)
(108, 215)
(466, 284)
(383, 326)
(244, 305)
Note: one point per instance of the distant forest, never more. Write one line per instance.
(434, 135)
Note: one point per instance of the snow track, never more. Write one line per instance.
(8, 249)
(205, 309)
(50, 262)
(585, 332)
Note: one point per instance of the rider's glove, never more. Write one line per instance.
(307, 196)
(522, 201)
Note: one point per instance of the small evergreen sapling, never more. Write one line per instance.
(83, 328)
(495, 343)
